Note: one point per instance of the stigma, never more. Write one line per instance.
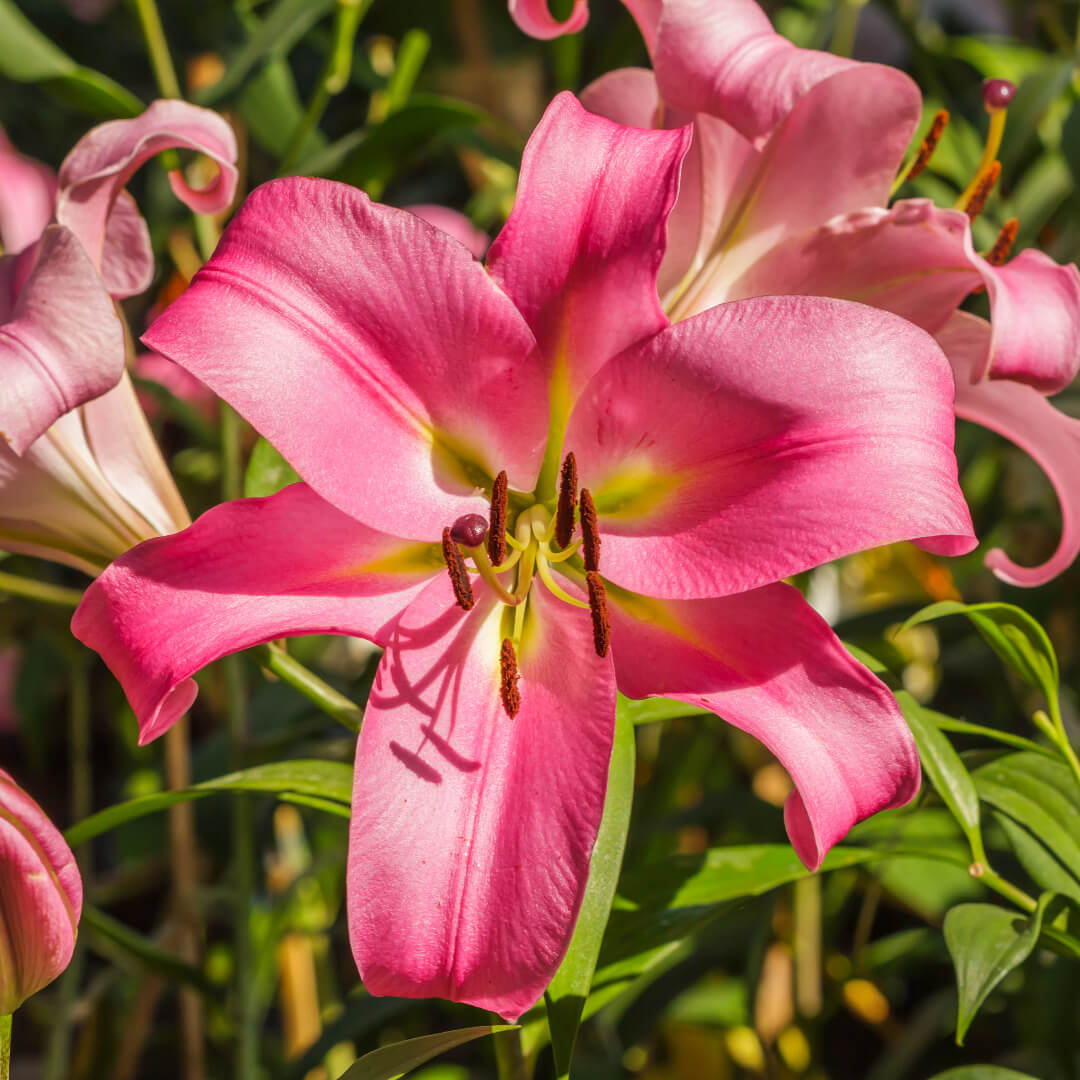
(511, 560)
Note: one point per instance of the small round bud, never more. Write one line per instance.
(469, 530)
(997, 94)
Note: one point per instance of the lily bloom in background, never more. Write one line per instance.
(531, 490)
(786, 190)
(41, 894)
(81, 479)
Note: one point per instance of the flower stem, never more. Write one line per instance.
(322, 694)
(15, 585)
(509, 1056)
(847, 21)
(5, 1046)
(158, 48)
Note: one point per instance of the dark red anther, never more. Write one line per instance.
(601, 624)
(1004, 242)
(459, 576)
(497, 532)
(997, 94)
(590, 532)
(508, 679)
(979, 196)
(469, 530)
(929, 143)
(564, 512)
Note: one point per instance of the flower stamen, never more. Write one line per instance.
(997, 94)
(590, 531)
(1004, 242)
(973, 207)
(918, 162)
(601, 623)
(564, 514)
(546, 577)
(459, 577)
(508, 679)
(497, 532)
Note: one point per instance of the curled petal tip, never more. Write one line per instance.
(535, 18)
(1030, 577)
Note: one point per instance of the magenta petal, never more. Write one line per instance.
(1026, 418)
(1035, 312)
(769, 664)
(27, 193)
(246, 572)
(455, 224)
(581, 251)
(63, 343)
(40, 898)
(726, 59)
(535, 18)
(353, 335)
(764, 437)
(471, 832)
(93, 175)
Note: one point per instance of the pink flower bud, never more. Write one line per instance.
(40, 898)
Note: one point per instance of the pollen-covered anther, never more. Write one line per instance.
(929, 143)
(459, 576)
(508, 679)
(497, 532)
(974, 206)
(564, 512)
(590, 532)
(601, 623)
(1004, 242)
(469, 530)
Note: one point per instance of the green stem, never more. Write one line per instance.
(290, 670)
(847, 21)
(1008, 890)
(509, 1056)
(15, 585)
(158, 48)
(334, 78)
(5, 1046)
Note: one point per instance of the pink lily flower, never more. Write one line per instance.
(785, 191)
(416, 391)
(81, 479)
(40, 898)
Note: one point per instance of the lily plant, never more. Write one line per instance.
(533, 490)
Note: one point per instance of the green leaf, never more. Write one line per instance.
(986, 942)
(982, 1072)
(287, 22)
(390, 1062)
(267, 472)
(319, 780)
(569, 988)
(27, 55)
(945, 769)
(271, 108)
(649, 710)
(1019, 641)
(1037, 861)
(1034, 96)
(1038, 793)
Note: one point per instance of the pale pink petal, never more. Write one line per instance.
(40, 898)
(1026, 418)
(828, 157)
(180, 383)
(93, 175)
(127, 455)
(725, 59)
(647, 16)
(1035, 313)
(371, 349)
(27, 194)
(455, 224)
(764, 437)
(471, 832)
(63, 343)
(246, 572)
(535, 18)
(127, 265)
(766, 662)
(580, 253)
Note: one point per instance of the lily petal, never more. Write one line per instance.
(726, 59)
(40, 898)
(455, 224)
(93, 175)
(770, 665)
(127, 262)
(535, 18)
(351, 334)
(460, 812)
(27, 193)
(580, 253)
(1026, 418)
(764, 437)
(63, 343)
(246, 572)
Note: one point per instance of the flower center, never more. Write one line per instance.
(509, 562)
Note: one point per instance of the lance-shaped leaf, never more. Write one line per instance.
(390, 1062)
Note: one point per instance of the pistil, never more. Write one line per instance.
(997, 95)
